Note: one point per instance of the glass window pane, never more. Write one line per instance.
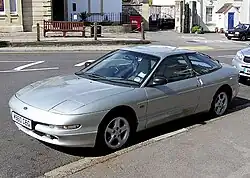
(1, 5)
(13, 6)
(203, 64)
(174, 68)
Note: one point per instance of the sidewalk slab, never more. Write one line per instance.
(218, 149)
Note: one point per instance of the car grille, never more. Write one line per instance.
(246, 59)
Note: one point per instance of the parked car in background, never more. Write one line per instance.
(241, 62)
(241, 32)
(123, 92)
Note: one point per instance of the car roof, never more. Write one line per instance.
(161, 51)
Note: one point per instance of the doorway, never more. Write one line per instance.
(58, 10)
(230, 20)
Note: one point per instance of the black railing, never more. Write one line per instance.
(109, 18)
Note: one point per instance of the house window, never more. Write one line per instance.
(1, 6)
(73, 7)
(209, 14)
(13, 8)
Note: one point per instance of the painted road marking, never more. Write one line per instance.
(82, 63)
(16, 61)
(197, 48)
(28, 65)
(226, 56)
(23, 68)
(29, 70)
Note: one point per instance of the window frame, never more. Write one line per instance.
(209, 15)
(159, 65)
(209, 57)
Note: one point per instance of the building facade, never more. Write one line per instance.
(11, 18)
(23, 15)
(212, 14)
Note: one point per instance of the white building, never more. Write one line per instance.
(218, 13)
(245, 12)
(110, 8)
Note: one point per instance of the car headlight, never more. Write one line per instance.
(237, 33)
(226, 31)
(239, 55)
(65, 127)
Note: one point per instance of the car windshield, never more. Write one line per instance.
(242, 26)
(121, 66)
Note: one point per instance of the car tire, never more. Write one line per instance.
(114, 132)
(243, 38)
(229, 38)
(220, 103)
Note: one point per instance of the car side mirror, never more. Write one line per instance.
(158, 80)
(87, 64)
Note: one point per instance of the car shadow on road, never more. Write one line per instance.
(245, 81)
(236, 105)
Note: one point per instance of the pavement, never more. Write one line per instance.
(215, 149)
(23, 157)
(27, 41)
(24, 39)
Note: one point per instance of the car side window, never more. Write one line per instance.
(202, 64)
(174, 68)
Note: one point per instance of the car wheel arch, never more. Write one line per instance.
(126, 111)
(224, 88)
(227, 89)
(123, 111)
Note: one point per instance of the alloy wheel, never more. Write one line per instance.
(221, 103)
(117, 133)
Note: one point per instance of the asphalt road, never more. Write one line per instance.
(22, 156)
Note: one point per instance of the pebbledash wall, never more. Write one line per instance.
(23, 15)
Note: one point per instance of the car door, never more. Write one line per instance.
(205, 67)
(177, 98)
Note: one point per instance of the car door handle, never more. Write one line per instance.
(200, 81)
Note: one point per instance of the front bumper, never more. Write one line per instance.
(241, 66)
(232, 35)
(84, 136)
(70, 140)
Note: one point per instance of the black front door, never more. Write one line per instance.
(58, 10)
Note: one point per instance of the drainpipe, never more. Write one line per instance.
(183, 16)
(201, 11)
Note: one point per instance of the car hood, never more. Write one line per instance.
(236, 30)
(71, 90)
(246, 51)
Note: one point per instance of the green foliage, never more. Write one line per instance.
(197, 29)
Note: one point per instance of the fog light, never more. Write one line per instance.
(66, 127)
(71, 126)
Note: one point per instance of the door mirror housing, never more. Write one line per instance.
(159, 80)
(87, 64)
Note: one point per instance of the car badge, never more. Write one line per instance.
(25, 108)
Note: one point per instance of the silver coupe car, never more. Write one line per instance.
(121, 93)
(241, 62)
